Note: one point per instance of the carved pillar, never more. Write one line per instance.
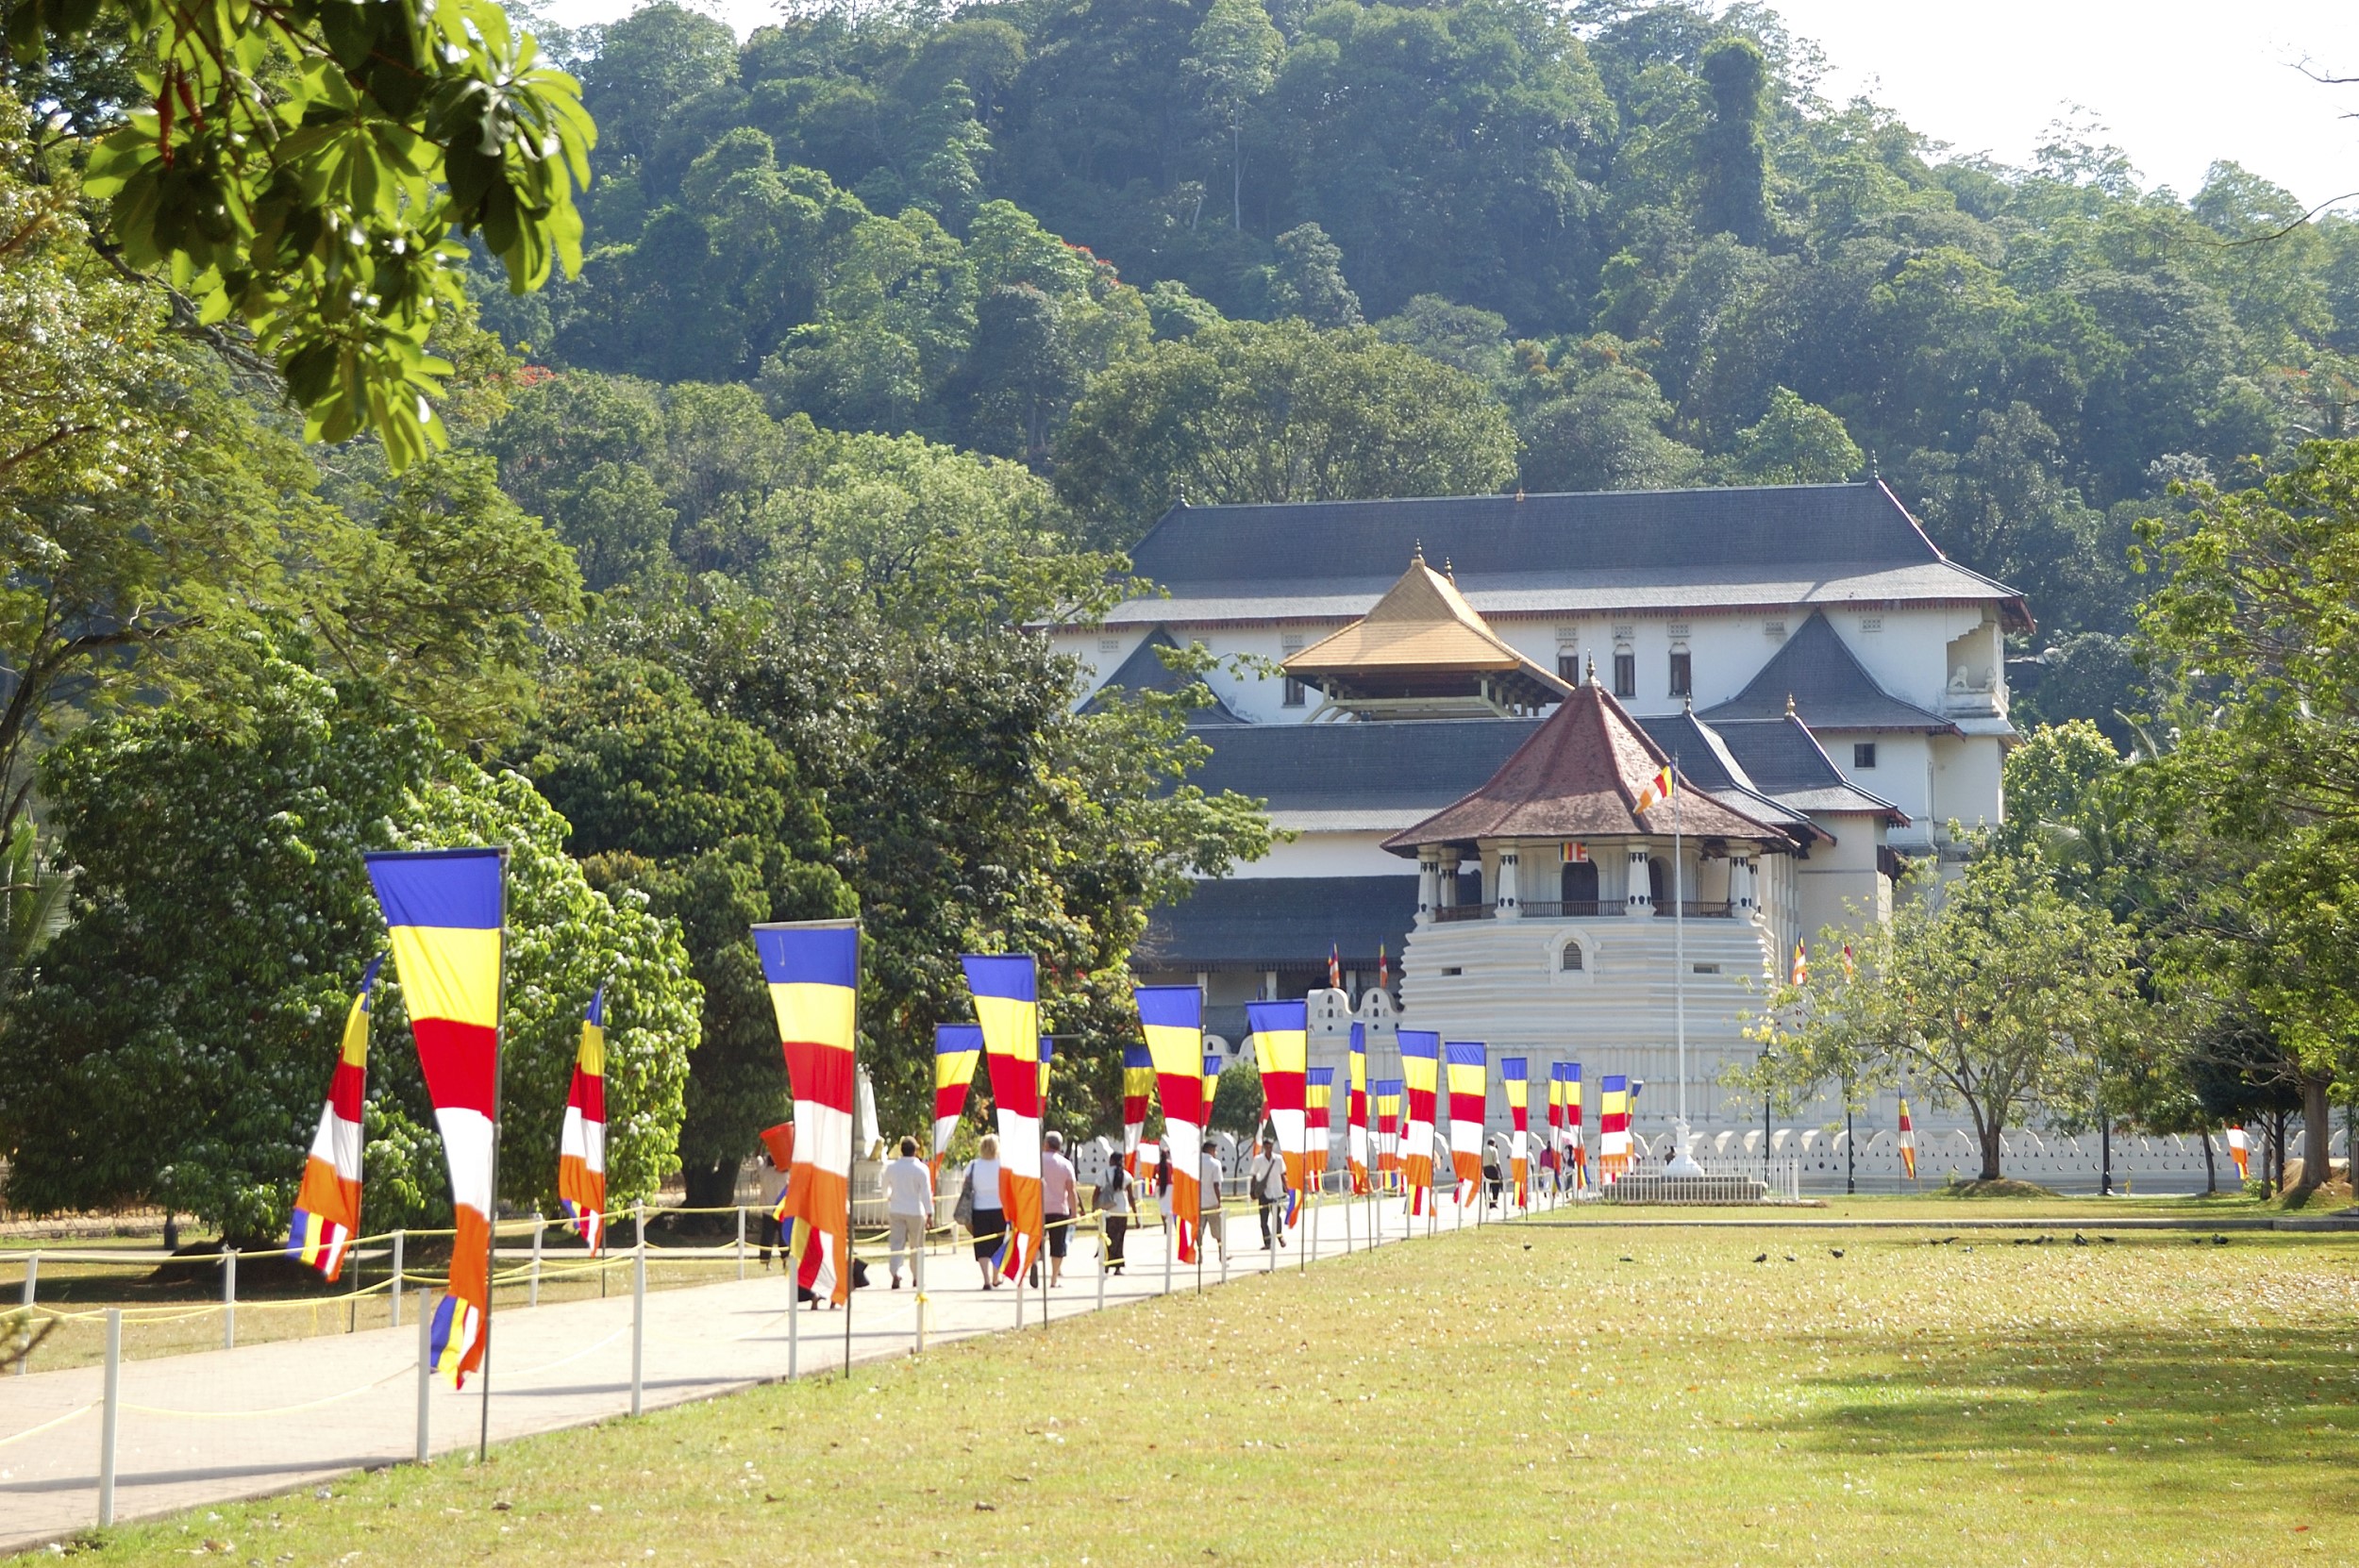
(1744, 900)
(1641, 882)
(1506, 903)
(1449, 879)
(1429, 882)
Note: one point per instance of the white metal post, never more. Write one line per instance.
(740, 1241)
(532, 1295)
(793, 1323)
(106, 1418)
(395, 1291)
(425, 1366)
(1101, 1257)
(639, 1314)
(917, 1278)
(229, 1299)
(32, 1285)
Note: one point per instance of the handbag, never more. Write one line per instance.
(963, 1210)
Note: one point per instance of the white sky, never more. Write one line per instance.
(2175, 83)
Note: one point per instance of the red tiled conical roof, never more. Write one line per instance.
(1579, 776)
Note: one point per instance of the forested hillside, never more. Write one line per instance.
(1655, 255)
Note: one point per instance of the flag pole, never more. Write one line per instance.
(1682, 1164)
(848, 1259)
(491, 1226)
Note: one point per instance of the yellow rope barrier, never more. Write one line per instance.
(53, 1420)
(277, 1409)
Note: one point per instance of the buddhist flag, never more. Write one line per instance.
(1172, 1018)
(813, 967)
(1514, 1073)
(1383, 969)
(1047, 1049)
(1659, 788)
(957, 1048)
(1614, 1127)
(1281, 1046)
(1138, 1091)
(1388, 1092)
(1469, 1088)
(1318, 1103)
(1334, 967)
(2240, 1150)
(1211, 1086)
(1355, 1111)
(581, 1143)
(1007, 1004)
(327, 1205)
(1420, 1070)
(1556, 1116)
(1801, 961)
(1576, 1151)
(447, 911)
(1850, 965)
(1908, 1140)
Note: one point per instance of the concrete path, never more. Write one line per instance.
(277, 1416)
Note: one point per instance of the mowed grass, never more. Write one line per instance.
(1618, 1395)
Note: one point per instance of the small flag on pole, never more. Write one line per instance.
(957, 1048)
(1383, 969)
(581, 1142)
(1801, 961)
(1211, 1085)
(1334, 967)
(327, 1205)
(2240, 1150)
(1908, 1136)
(1658, 789)
(1138, 1089)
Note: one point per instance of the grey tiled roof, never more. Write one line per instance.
(1827, 684)
(1398, 766)
(1282, 923)
(1143, 672)
(1706, 761)
(1786, 762)
(1622, 549)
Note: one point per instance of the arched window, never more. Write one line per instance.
(1573, 959)
(1578, 884)
(1658, 883)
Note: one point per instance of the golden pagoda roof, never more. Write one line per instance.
(1421, 622)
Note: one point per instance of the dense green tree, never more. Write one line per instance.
(706, 821)
(1732, 151)
(1796, 442)
(336, 246)
(1994, 1000)
(1236, 57)
(1250, 413)
(175, 1041)
(1307, 280)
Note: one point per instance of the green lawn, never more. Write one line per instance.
(1618, 1395)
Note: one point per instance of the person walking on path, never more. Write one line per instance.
(979, 1209)
(1113, 1204)
(908, 1195)
(1211, 1223)
(773, 1187)
(1059, 1187)
(1491, 1180)
(1269, 1191)
(1163, 1184)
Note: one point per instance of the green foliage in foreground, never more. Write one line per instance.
(178, 1040)
(1519, 1393)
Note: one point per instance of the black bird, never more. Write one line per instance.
(1761, 1259)
(1838, 1252)
(2079, 1240)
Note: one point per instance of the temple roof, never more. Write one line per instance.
(1636, 550)
(1785, 761)
(1143, 672)
(1579, 776)
(1422, 639)
(1277, 922)
(1818, 676)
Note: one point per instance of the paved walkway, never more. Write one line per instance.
(277, 1416)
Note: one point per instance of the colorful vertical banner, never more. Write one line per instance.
(1420, 1073)
(1576, 1145)
(1138, 1092)
(1172, 1019)
(1047, 1049)
(581, 1142)
(327, 1205)
(813, 967)
(1282, 1047)
(1387, 1094)
(1556, 1119)
(1612, 1127)
(1355, 1111)
(1514, 1074)
(1007, 1003)
(446, 913)
(957, 1048)
(1469, 1088)
(1908, 1141)
(1211, 1086)
(1318, 1110)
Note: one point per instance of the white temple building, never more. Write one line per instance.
(1453, 708)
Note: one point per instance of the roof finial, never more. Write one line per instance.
(1687, 703)
(1451, 572)
(1417, 554)
(1789, 705)
(1874, 472)
(1591, 678)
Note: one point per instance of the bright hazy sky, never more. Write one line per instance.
(2175, 83)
